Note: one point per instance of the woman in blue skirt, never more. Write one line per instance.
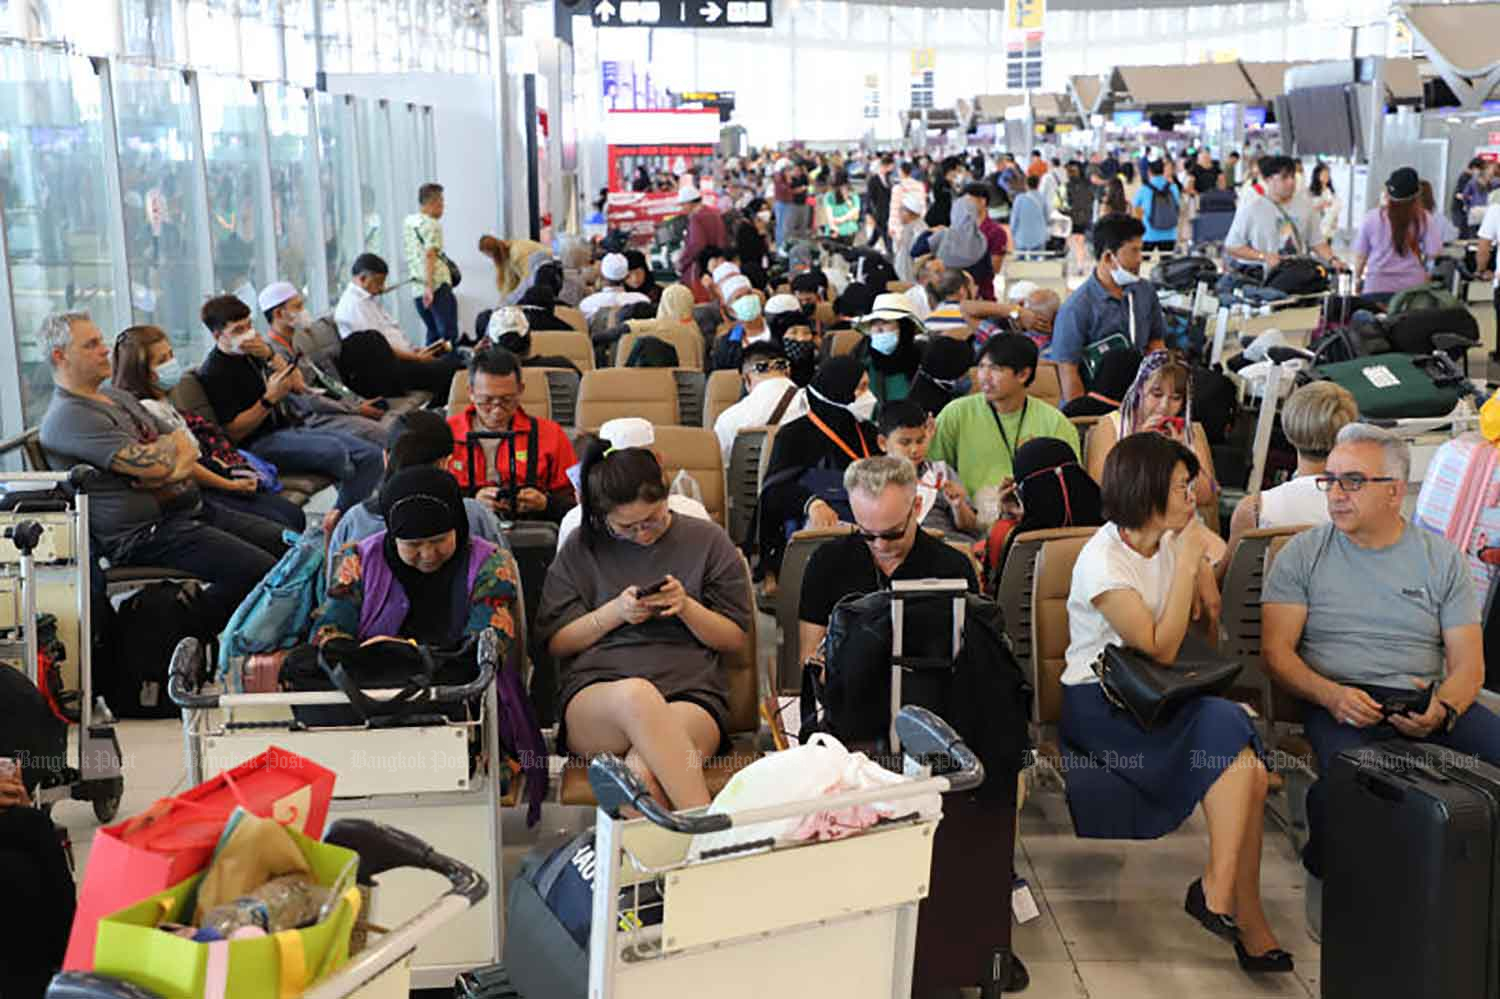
(1139, 582)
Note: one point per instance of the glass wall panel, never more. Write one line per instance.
(234, 146)
(286, 115)
(56, 203)
(408, 175)
(375, 181)
(342, 219)
(153, 108)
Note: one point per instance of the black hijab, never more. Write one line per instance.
(905, 359)
(635, 259)
(945, 365)
(424, 502)
(831, 390)
(1055, 490)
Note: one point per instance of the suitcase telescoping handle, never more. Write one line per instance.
(925, 737)
(182, 683)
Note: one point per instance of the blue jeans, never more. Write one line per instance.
(441, 319)
(1477, 733)
(782, 210)
(356, 464)
(210, 545)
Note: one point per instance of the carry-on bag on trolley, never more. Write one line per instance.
(947, 654)
(1411, 893)
(380, 971)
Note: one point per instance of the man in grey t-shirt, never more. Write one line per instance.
(1268, 228)
(1371, 606)
(144, 506)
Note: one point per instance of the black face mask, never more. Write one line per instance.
(810, 309)
(803, 355)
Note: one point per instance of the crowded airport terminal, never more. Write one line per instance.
(807, 499)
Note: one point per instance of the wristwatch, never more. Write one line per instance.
(264, 401)
(1450, 716)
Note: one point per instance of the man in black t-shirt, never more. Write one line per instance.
(888, 544)
(250, 404)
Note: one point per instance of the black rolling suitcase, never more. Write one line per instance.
(964, 923)
(1410, 900)
(534, 545)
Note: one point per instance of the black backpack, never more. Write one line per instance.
(147, 628)
(1184, 273)
(1299, 276)
(1163, 212)
(651, 352)
(368, 366)
(1216, 403)
(982, 692)
(1412, 332)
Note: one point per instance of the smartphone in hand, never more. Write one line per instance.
(651, 589)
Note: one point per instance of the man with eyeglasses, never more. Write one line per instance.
(1368, 608)
(769, 394)
(514, 463)
(887, 544)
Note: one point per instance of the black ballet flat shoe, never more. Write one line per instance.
(1216, 923)
(1272, 962)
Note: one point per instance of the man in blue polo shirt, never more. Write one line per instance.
(1105, 303)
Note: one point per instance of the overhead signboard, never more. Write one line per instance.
(1025, 15)
(682, 13)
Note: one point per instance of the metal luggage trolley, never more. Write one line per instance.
(380, 971)
(45, 564)
(825, 920)
(417, 778)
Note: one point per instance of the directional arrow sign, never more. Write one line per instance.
(682, 13)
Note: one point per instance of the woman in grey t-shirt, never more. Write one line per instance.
(642, 673)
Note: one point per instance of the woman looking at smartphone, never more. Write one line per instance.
(643, 673)
(1160, 400)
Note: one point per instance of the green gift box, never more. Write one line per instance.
(130, 947)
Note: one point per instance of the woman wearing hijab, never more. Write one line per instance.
(424, 577)
(890, 351)
(1112, 379)
(642, 673)
(1161, 400)
(639, 277)
(539, 302)
(943, 375)
(751, 246)
(804, 485)
(800, 343)
(1052, 490)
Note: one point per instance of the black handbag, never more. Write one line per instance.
(404, 666)
(1150, 692)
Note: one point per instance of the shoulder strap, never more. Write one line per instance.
(844, 447)
(781, 407)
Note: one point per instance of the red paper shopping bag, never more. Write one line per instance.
(174, 838)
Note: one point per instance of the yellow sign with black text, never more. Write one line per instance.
(1025, 15)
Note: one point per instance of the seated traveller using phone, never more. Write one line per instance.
(1365, 616)
(514, 463)
(640, 607)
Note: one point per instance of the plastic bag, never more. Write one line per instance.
(685, 485)
(819, 768)
(251, 852)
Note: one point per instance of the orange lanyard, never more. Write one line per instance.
(839, 440)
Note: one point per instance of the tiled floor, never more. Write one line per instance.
(1111, 922)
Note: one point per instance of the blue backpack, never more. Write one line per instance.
(278, 612)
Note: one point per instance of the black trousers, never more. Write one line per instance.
(37, 905)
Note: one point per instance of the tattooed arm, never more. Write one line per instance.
(150, 464)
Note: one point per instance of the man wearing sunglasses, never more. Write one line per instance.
(770, 394)
(887, 543)
(1369, 609)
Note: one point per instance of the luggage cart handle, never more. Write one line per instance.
(616, 786)
(924, 737)
(382, 848)
(182, 671)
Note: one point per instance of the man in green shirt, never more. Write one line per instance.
(979, 434)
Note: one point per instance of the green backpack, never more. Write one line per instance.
(1431, 295)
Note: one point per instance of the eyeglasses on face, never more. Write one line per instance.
(894, 534)
(495, 401)
(624, 532)
(1350, 482)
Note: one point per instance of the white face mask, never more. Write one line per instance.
(302, 322)
(238, 344)
(863, 405)
(1121, 276)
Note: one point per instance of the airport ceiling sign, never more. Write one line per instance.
(682, 13)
